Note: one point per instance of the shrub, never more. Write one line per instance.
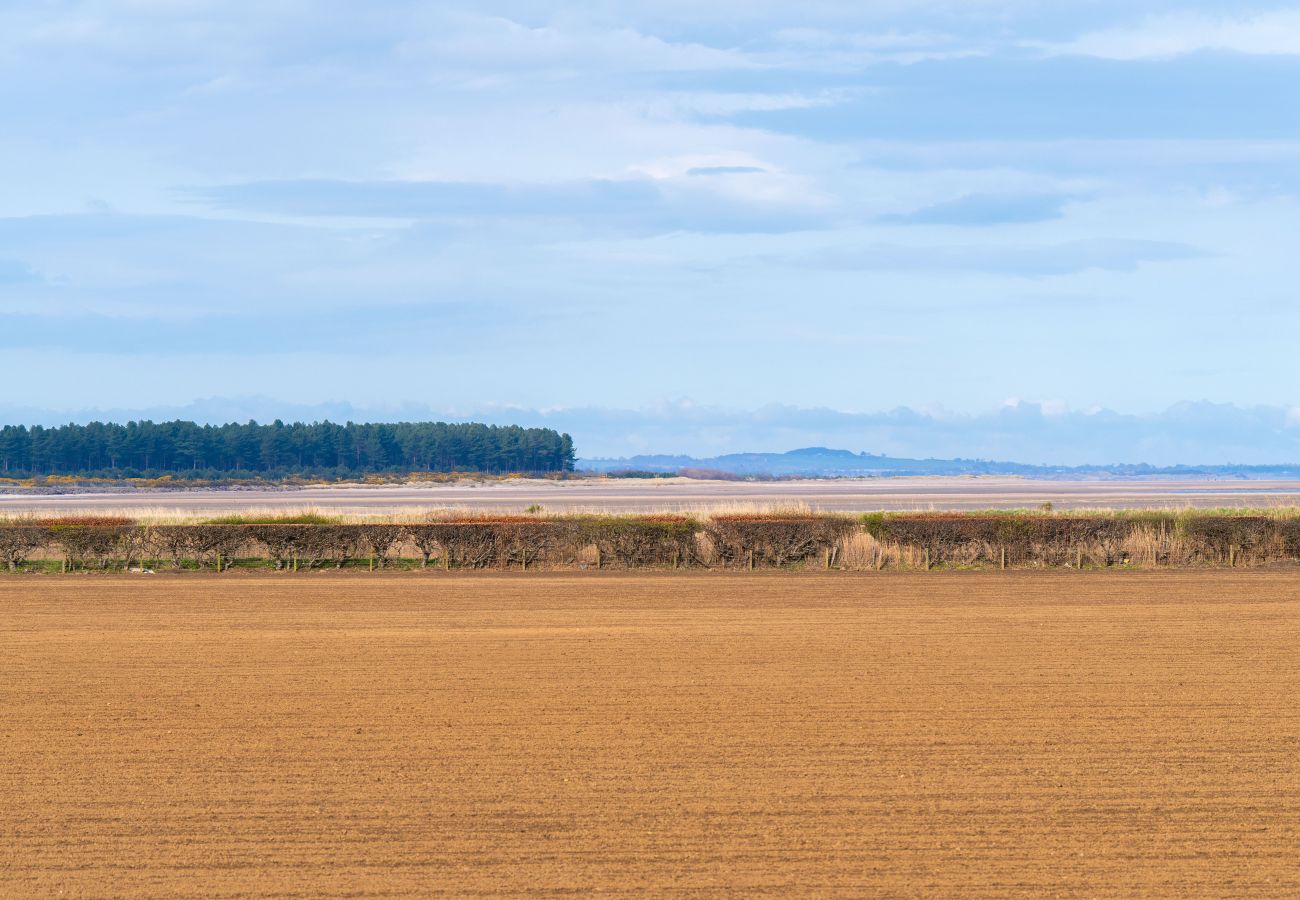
(941, 533)
(465, 544)
(97, 539)
(203, 544)
(637, 541)
(377, 540)
(528, 541)
(427, 540)
(1218, 535)
(18, 540)
(770, 540)
(775, 540)
(304, 518)
(1288, 536)
(480, 542)
(305, 544)
(1039, 538)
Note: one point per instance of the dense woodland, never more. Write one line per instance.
(318, 449)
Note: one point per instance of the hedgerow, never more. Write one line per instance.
(761, 540)
(1015, 538)
(479, 543)
(18, 540)
(206, 545)
(634, 542)
(303, 546)
(775, 540)
(93, 539)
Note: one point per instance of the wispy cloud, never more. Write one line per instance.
(13, 271)
(1023, 260)
(1272, 33)
(499, 44)
(633, 205)
(986, 209)
(725, 170)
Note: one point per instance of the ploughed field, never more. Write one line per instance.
(972, 734)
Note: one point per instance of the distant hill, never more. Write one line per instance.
(823, 462)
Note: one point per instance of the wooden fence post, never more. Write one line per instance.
(927, 559)
(751, 560)
(218, 561)
(1004, 559)
(1078, 557)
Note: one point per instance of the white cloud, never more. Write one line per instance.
(1274, 33)
(676, 104)
(502, 44)
(815, 49)
(1024, 261)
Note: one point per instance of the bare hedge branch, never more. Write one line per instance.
(203, 544)
(19, 540)
(634, 542)
(775, 540)
(96, 539)
(377, 540)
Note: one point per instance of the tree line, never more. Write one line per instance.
(318, 449)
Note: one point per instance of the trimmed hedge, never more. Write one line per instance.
(203, 544)
(775, 540)
(638, 542)
(96, 540)
(19, 542)
(1021, 537)
(483, 543)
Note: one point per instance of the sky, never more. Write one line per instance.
(946, 210)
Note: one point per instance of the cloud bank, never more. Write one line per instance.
(1047, 434)
(1272, 33)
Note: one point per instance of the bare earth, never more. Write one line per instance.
(663, 495)
(965, 734)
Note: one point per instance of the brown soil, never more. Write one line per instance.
(966, 734)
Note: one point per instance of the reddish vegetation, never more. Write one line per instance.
(81, 522)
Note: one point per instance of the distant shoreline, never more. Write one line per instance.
(681, 494)
(69, 486)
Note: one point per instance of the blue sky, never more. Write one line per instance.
(465, 208)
